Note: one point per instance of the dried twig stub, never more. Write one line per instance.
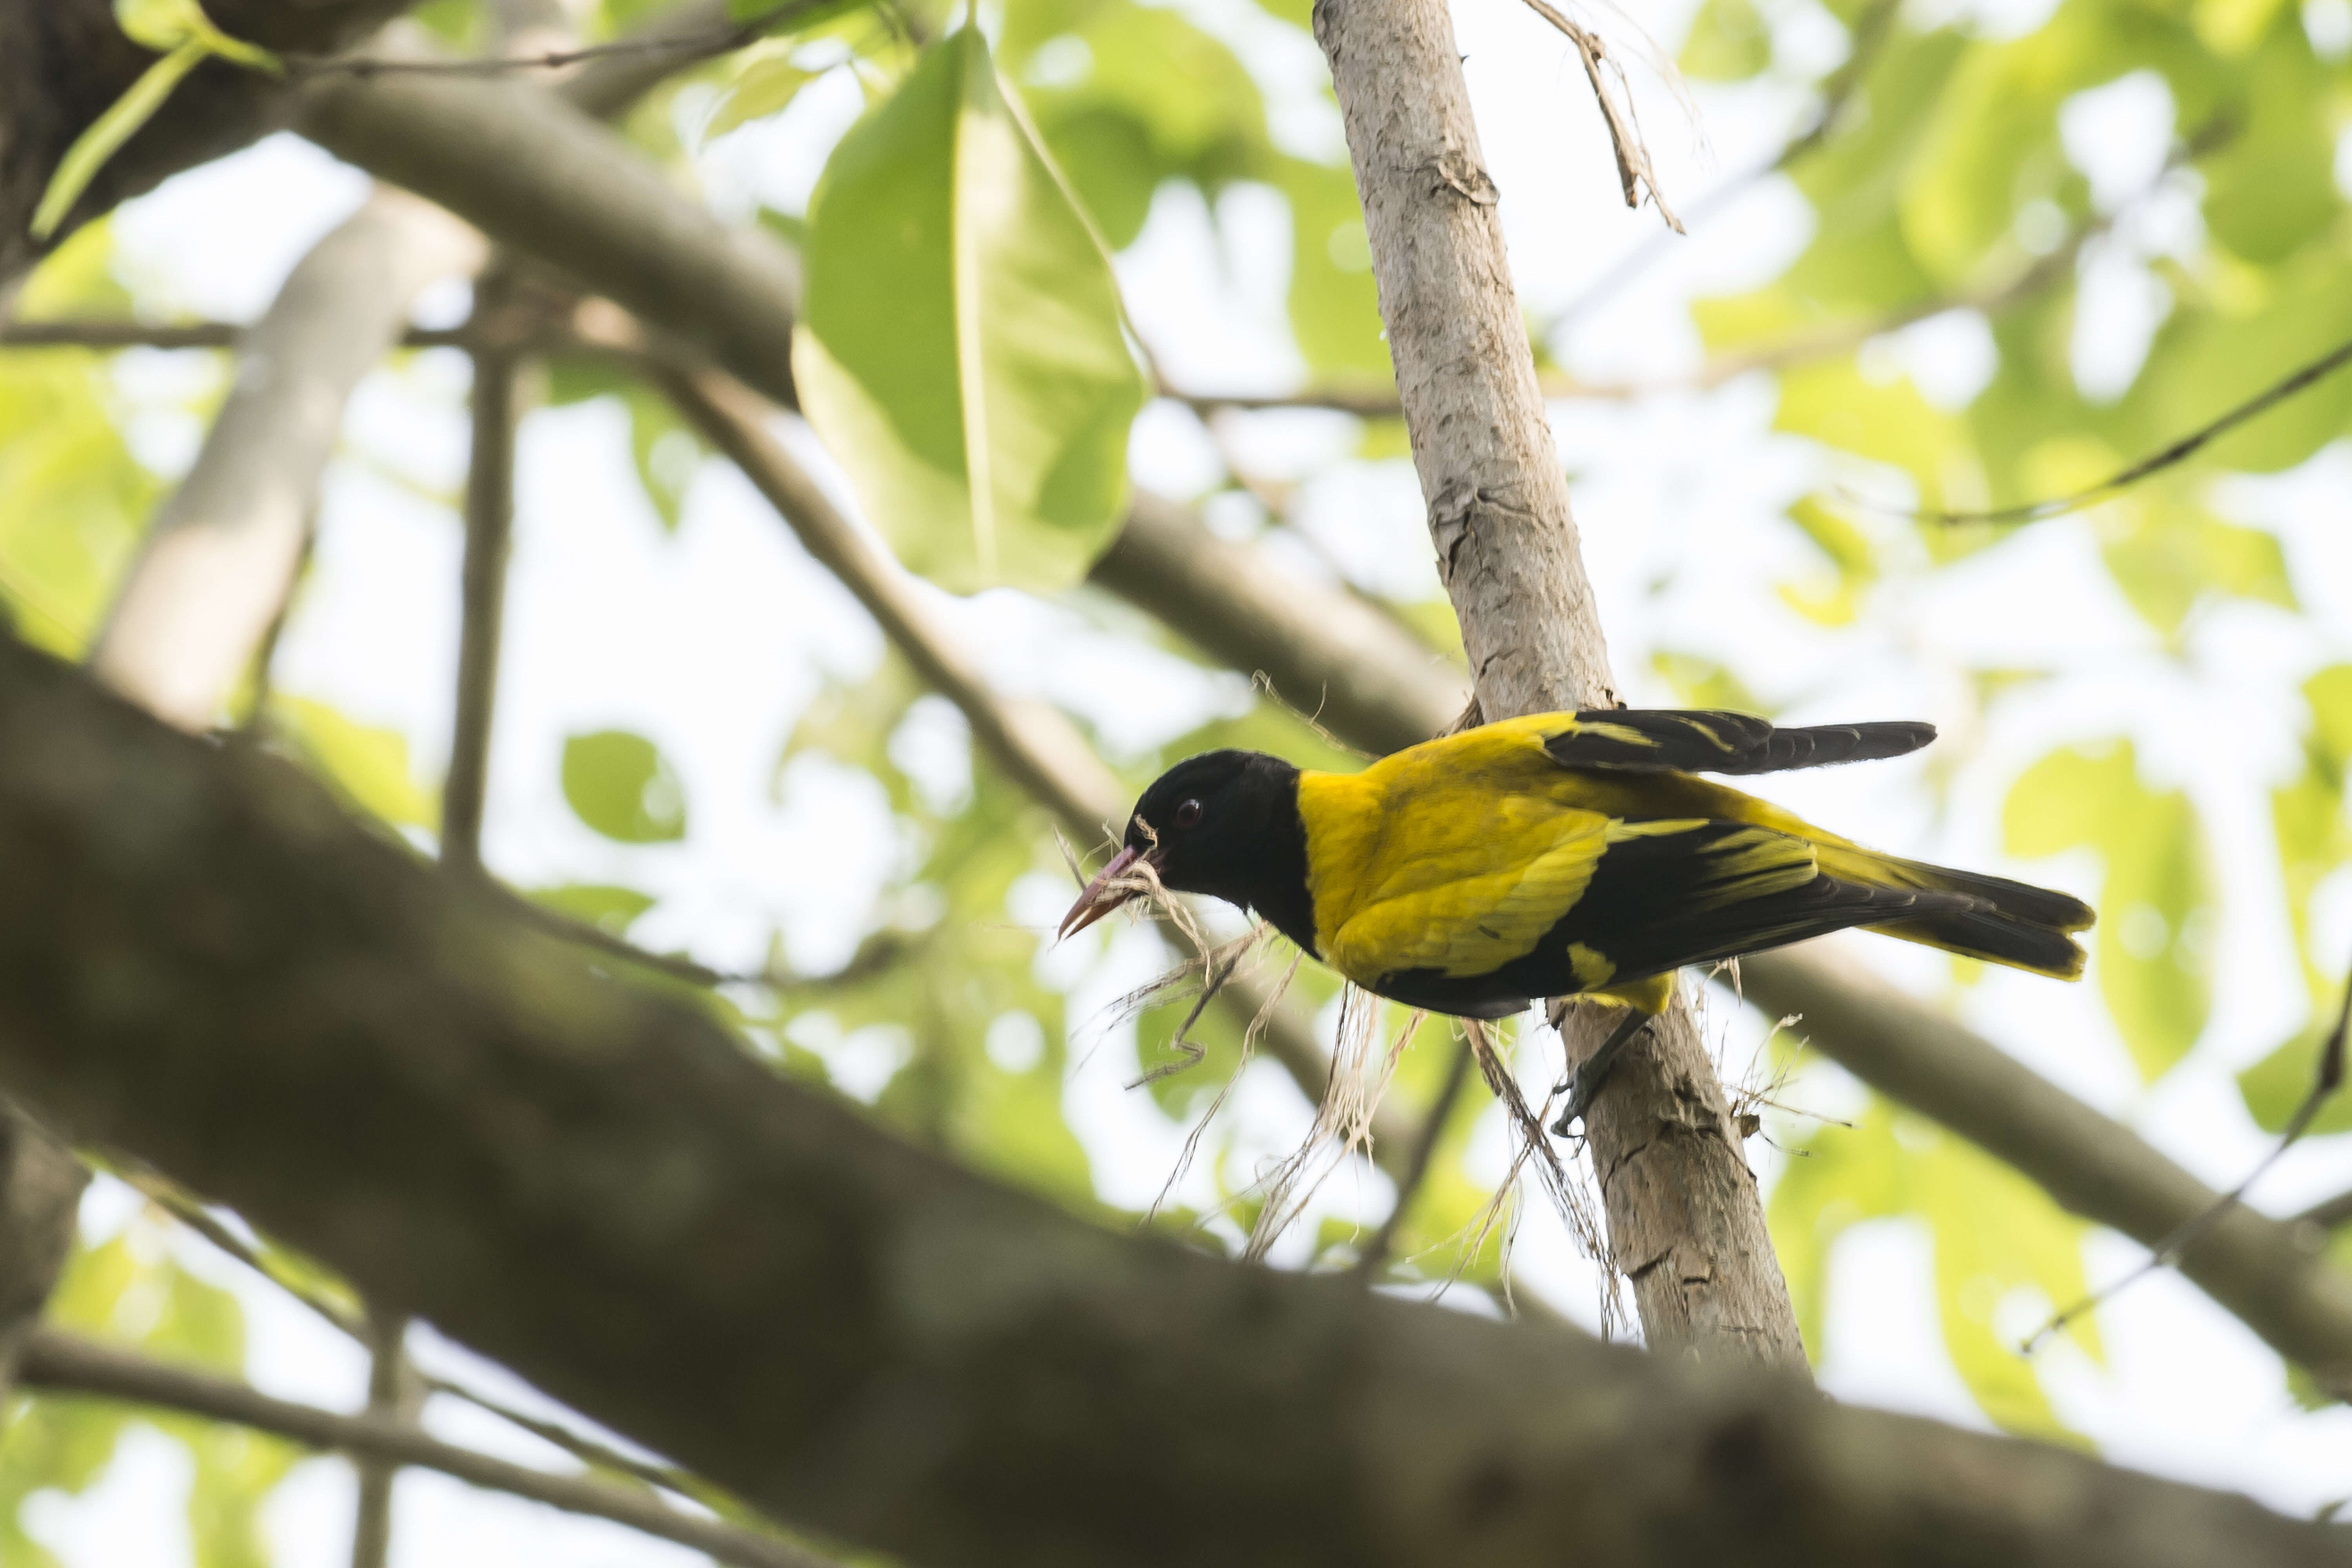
(1616, 99)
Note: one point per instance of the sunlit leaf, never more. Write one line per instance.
(964, 352)
(609, 909)
(2156, 906)
(622, 786)
(1728, 41)
(767, 81)
(369, 764)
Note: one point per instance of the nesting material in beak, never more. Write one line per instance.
(1106, 892)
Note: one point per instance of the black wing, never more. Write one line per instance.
(1713, 891)
(1717, 741)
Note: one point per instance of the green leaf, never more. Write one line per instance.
(165, 25)
(622, 786)
(1728, 41)
(1334, 308)
(610, 910)
(766, 82)
(109, 131)
(964, 353)
(2168, 554)
(1993, 1232)
(2158, 903)
(368, 766)
(2329, 693)
(1699, 681)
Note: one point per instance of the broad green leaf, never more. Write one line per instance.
(766, 82)
(2158, 905)
(1728, 41)
(622, 786)
(609, 909)
(1835, 600)
(369, 766)
(2168, 554)
(2307, 817)
(1334, 308)
(2273, 185)
(1129, 96)
(2329, 693)
(73, 502)
(1993, 1232)
(2276, 1086)
(964, 352)
(1699, 681)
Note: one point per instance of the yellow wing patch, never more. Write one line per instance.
(1471, 924)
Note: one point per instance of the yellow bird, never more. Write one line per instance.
(1561, 855)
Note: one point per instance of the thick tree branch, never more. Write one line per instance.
(2251, 1263)
(534, 171)
(63, 1365)
(40, 1193)
(221, 555)
(64, 62)
(202, 960)
(1686, 1222)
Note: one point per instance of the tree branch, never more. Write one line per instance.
(203, 961)
(221, 554)
(63, 1365)
(2251, 1264)
(1211, 605)
(1685, 1223)
(40, 1194)
(1039, 749)
(64, 62)
(1243, 609)
(533, 171)
(497, 410)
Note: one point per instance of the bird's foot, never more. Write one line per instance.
(1585, 1080)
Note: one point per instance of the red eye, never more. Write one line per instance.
(1187, 815)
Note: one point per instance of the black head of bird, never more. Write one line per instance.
(1223, 823)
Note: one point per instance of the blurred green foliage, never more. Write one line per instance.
(620, 786)
(964, 323)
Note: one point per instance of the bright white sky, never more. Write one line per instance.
(710, 641)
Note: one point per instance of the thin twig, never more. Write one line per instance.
(686, 47)
(2177, 452)
(159, 1190)
(2328, 1078)
(1375, 1255)
(497, 410)
(1871, 31)
(64, 1365)
(1634, 170)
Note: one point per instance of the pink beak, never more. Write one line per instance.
(1100, 898)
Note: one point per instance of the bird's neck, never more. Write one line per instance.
(1278, 892)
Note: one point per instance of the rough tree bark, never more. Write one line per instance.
(1685, 1222)
(203, 962)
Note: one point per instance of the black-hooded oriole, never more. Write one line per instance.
(1561, 855)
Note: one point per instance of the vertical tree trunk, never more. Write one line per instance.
(1686, 1222)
